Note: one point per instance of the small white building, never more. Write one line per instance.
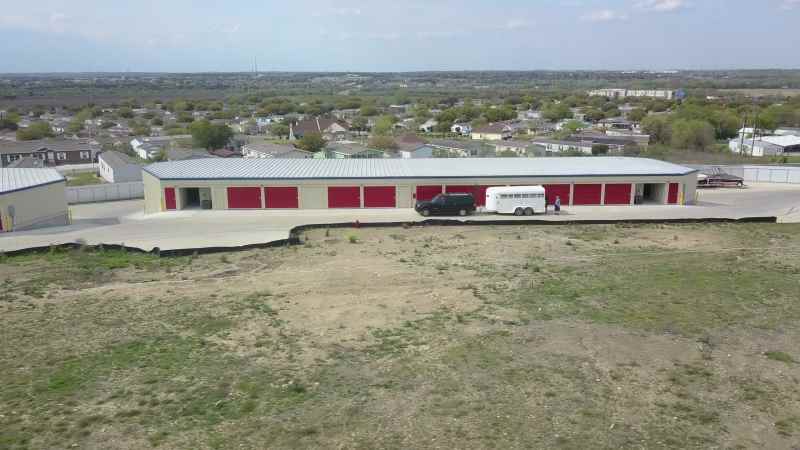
(766, 146)
(463, 129)
(32, 198)
(116, 167)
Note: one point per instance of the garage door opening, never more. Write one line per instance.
(651, 194)
(195, 198)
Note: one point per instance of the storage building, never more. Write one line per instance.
(398, 183)
(32, 198)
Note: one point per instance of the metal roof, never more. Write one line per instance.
(12, 180)
(299, 169)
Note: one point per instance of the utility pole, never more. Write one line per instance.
(741, 135)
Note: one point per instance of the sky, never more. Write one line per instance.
(396, 35)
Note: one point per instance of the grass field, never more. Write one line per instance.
(84, 179)
(574, 337)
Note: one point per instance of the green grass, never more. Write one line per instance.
(779, 356)
(84, 179)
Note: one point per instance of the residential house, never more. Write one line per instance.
(330, 129)
(428, 126)
(346, 114)
(615, 123)
(116, 167)
(464, 129)
(348, 150)
(493, 132)
(418, 151)
(277, 151)
(460, 149)
(520, 148)
(53, 152)
(150, 147)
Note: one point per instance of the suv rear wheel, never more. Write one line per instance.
(462, 212)
(426, 212)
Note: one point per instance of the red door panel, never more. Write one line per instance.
(425, 193)
(169, 199)
(344, 197)
(281, 197)
(618, 194)
(480, 195)
(553, 190)
(587, 194)
(672, 198)
(244, 197)
(380, 197)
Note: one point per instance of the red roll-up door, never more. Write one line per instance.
(672, 198)
(281, 197)
(551, 191)
(618, 194)
(587, 194)
(344, 197)
(425, 193)
(169, 199)
(244, 197)
(380, 197)
(480, 195)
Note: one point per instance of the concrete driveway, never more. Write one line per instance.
(124, 223)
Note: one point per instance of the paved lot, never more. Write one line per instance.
(124, 223)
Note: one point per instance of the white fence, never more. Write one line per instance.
(105, 192)
(762, 174)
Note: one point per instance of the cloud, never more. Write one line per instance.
(790, 4)
(664, 5)
(604, 15)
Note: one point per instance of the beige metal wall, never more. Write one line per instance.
(314, 193)
(35, 207)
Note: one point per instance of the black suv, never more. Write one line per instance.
(447, 205)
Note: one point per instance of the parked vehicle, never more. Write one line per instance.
(447, 205)
(517, 200)
(716, 177)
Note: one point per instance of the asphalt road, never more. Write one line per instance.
(124, 223)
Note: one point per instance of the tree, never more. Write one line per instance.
(637, 114)
(157, 122)
(210, 136)
(312, 142)
(599, 149)
(573, 126)
(125, 113)
(382, 142)
(631, 150)
(384, 124)
(369, 111)
(658, 128)
(279, 129)
(360, 123)
(556, 111)
(37, 130)
(692, 134)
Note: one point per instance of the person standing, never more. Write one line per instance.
(557, 205)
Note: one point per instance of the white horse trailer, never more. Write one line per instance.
(517, 200)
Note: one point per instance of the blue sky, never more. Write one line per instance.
(395, 35)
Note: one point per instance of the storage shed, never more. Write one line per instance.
(398, 183)
(32, 198)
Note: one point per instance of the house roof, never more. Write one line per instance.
(782, 141)
(116, 159)
(58, 145)
(378, 168)
(349, 148)
(317, 125)
(493, 128)
(271, 149)
(28, 162)
(13, 180)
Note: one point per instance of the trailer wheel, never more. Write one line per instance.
(519, 212)
(528, 211)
